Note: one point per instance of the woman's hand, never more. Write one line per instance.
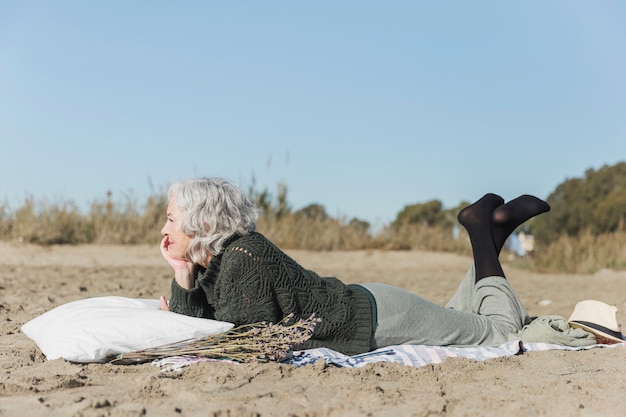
(183, 269)
(174, 262)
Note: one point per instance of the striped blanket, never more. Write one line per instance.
(419, 355)
(411, 355)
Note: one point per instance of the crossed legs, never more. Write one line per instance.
(489, 223)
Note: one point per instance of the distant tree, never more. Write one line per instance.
(610, 215)
(358, 225)
(596, 203)
(430, 213)
(312, 211)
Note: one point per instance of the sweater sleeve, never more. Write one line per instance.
(192, 302)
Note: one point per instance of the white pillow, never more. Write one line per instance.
(89, 330)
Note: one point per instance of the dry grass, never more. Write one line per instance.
(129, 222)
(106, 221)
(586, 253)
(294, 232)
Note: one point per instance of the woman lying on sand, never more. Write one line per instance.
(225, 270)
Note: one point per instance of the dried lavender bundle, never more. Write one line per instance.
(257, 342)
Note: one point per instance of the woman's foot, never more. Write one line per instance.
(509, 216)
(477, 217)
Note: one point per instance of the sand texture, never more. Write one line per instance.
(553, 383)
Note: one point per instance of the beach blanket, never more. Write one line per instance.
(419, 355)
(410, 355)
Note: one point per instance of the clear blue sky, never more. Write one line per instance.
(361, 106)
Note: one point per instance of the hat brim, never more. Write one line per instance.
(598, 333)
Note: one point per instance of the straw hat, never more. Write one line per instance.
(598, 318)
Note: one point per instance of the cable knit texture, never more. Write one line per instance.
(254, 281)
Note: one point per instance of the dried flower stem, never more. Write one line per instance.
(256, 342)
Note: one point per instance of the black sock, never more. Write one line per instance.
(477, 220)
(511, 215)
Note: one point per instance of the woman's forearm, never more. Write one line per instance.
(184, 277)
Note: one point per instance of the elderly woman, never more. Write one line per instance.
(225, 270)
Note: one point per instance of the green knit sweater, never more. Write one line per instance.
(253, 281)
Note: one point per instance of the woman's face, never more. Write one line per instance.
(176, 241)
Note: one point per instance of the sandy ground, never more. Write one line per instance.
(34, 280)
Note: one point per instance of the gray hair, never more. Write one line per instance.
(213, 211)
